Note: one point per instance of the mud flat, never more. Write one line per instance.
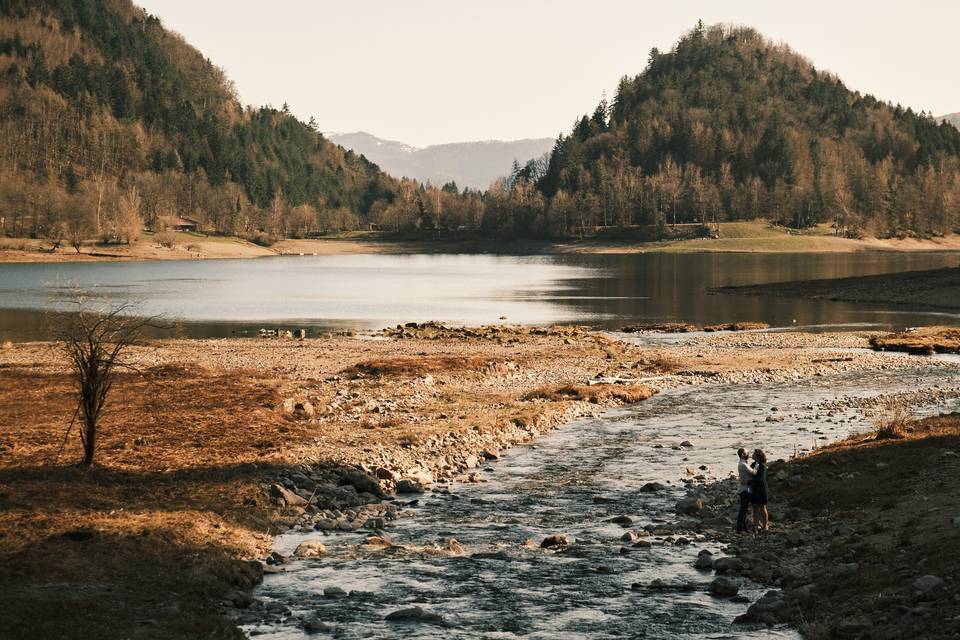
(221, 444)
(932, 289)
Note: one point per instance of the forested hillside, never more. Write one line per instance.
(728, 125)
(109, 121)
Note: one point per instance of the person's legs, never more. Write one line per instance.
(756, 515)
(742, 514)
(766, 516)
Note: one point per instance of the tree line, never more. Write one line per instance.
(110, 124)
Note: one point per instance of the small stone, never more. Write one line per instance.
(703, 562)
(652, 487)
(334, 592)
(555, 541)
(313, 625)
(415, 614)
(927, 583)
(408, 485)
(310, 549)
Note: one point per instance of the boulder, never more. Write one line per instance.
(624, 520)
(310, 549)
(409, 485)
(689, 506)
(704, 562)
(652, 487)
(769, 609)
(415, 615)
(313, 625)
(555, 541)
(289, 498)
(727, 564)
(334, 592)
(724, 587)
(362, 482)
(490, 454)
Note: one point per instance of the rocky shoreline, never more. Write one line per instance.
(336, 433)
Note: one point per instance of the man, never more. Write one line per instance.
(745, 474)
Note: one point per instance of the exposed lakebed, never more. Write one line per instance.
(574, 481)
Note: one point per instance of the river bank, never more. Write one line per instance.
(735, 237)
(937, 289)
(224, 443)
(864, 537)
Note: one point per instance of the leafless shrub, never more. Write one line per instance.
(166, 239)
(95, 339)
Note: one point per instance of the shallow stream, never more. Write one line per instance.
(572, 481)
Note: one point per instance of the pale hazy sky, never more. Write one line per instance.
(433, 71)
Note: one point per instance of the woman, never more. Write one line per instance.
(758, 491)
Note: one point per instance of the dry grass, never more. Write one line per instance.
(926, 341)
(414, 366)
(157, 523)
(892, 422)
(625, 393)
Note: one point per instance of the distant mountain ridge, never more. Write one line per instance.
(469, 164)
(952, 118)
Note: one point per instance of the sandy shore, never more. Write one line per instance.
(194, 246)
(222, 443)
(937, 289)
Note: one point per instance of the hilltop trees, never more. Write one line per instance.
(730, 126)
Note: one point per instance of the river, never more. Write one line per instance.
(573, 481)
(214, 298)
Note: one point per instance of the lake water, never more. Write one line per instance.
(227, 297)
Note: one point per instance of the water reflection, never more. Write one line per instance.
(230, 297)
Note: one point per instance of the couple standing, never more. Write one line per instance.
(752, 490)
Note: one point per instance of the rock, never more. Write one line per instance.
(288, 406)
(624, 520)
(334, 592)
(630, 536)
(769, 609)
(642, 544)
(689, 506)
(928, 583)
(727, 563)
(652, 487)
(276, 558)
(289, 498)
(687, 444)
(794, 538)
(782, 475)
(238, 599)
(415, 614)
(310, 549)
(724, 587)
(703, 562)
(313, 625)
(363, 482)
(555, 541)
(385, 474)
(490, 454)
(472, 462)
(409, 485)
(304, 409)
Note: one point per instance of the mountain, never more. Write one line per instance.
(469, 164)
(107, 119)
(728, 125)
(952, 118)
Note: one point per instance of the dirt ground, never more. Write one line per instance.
(150, 542)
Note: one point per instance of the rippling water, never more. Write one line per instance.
(572, 481)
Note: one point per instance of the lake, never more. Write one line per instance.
(237, 297)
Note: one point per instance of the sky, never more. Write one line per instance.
(433, 71)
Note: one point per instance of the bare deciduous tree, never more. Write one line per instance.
(95, 339)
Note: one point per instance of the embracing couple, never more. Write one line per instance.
(752, 490)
